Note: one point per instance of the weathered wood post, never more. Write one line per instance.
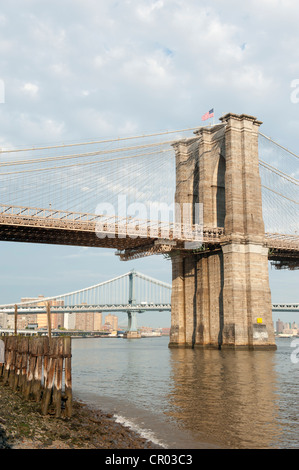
(24, 365)
(32, 350)
(13, 361)
(49, 321)
(8, 354)
(46, 361)
(18, 362)
(2, 355)
(34, 365)
(58, 378)
(37, 376)
(50, 376)
(68, 375)
(16, 319)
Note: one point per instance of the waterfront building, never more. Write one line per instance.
(279, 326)
(70, 321)
(97, 322)
(165, 331)
(84, 321)
(113, 320)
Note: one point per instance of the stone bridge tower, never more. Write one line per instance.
(221, 297)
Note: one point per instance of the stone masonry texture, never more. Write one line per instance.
(221, 298)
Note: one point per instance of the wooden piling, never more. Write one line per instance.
(16, 320)
(2, 364)
(37, 375)
(35, 365)
(12, 361)
(32, 350)
(47, 394)
(24, 364)
(68, 375)
(49, 321)
(46, 360)
(18, 362)
(7, 359)
(58, 378)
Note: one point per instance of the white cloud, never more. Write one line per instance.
(3, 20)
(150, 72)
(30, 89)
(145, 10)
(43, 129)
(153, 64)
(46, 32)
(99, 61)
(60, 70)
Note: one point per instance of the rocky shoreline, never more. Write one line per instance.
(22, 426)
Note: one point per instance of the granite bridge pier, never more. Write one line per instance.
(221, 296)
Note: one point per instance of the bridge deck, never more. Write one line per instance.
(49, 226)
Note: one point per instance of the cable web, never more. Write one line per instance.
(279, 171)
(79, 177)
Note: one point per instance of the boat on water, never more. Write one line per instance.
(150, 334)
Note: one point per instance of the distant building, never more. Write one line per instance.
(97, 322)
(165, 331)
(290, 331)
(57, 319)
(107, 327)
(88, 321)
(112, 320)
(279, 326)
(84, 321)
(70, 321)
(3, 320)
(287, 328)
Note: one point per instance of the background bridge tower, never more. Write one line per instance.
(132, 314)
(221, 295)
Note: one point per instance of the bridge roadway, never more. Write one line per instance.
(88, 308)
(281, 307)
(133, 238)
(285, 307)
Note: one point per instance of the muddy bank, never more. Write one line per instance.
(22, 426)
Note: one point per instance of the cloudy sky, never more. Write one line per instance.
(76, 70)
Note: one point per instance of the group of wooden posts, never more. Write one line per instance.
(34, 365)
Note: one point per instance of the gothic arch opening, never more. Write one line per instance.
(218, 191)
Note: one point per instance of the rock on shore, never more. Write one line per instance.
(22, 426)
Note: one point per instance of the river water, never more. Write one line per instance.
(190, 398)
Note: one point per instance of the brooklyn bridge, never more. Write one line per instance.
(219, 201)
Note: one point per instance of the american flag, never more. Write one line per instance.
(208, 115)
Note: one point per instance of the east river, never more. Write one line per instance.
(192, 398)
